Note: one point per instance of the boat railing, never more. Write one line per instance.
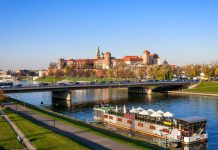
(160, 121)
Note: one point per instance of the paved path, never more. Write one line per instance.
(25, 141)
(82, 136)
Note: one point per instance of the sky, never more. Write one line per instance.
(34, 33)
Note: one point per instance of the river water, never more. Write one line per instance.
(82, 102)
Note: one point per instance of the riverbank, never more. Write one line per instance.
(191, 93)
(41, 137)
(210, 87)
(202, 89)
(100, 133)
(8, 138)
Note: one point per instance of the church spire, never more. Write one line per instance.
(98, 52)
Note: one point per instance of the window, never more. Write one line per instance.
(110, 117)
(105, 116)
(129, 121)
(140, 124)
(152, 127)
(166, 130)
(119, 119)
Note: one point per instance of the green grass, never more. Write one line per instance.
(69, 121)
(73, 79)
(205, 87)
(8, 138)
(43, 138)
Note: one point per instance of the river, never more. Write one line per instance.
(82, 102)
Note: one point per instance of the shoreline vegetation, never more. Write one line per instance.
(209, 88)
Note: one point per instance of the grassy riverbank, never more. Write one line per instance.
(8, 138)
(205, 87)
(74, 79)
(69, 121)
(41, 137)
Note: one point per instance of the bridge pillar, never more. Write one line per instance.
(140, 90)
(65, 95)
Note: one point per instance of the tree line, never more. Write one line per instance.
(124, 71)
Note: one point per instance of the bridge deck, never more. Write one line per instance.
(25, 89)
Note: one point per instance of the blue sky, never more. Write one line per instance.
(36, 32)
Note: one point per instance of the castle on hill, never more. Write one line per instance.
(106, 61)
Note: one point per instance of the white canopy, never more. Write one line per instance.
(160, 112)
(134, 111)
(144, 112)
(150, 111)
(168, 114)
(140, 109)
(124, 109)
(156, 114)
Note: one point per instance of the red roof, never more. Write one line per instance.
(132, 58)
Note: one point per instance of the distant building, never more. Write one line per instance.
(106, 61)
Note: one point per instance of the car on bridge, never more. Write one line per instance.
(43, 84)
(18, 86)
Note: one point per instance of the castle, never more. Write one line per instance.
(106, 61)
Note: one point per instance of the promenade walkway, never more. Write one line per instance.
(20, 134)
(82, 136)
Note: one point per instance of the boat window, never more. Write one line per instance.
(110, 117)
(129, 121)
(119, 119)
(140, 124)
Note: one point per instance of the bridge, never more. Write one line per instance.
(63, 92)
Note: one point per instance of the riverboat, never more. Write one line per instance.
(155, 123)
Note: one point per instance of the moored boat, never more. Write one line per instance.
(155, 123)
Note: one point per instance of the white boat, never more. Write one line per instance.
(178, 130)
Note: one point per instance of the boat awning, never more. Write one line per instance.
(193, 119)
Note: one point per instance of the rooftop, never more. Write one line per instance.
(193, 119)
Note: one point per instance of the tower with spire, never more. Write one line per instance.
(98, 53)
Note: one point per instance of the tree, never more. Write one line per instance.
(2, 97)
(69, 71)
(50, 72)
(152, 72)
(216, 72)
(206, 70)
(53, 65)
(141, 72)
(190, 70)
(59, 73)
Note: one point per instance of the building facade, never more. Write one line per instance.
(106, 61)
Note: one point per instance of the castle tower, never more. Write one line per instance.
(98, 53)
(107, 60)
(146, 57)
